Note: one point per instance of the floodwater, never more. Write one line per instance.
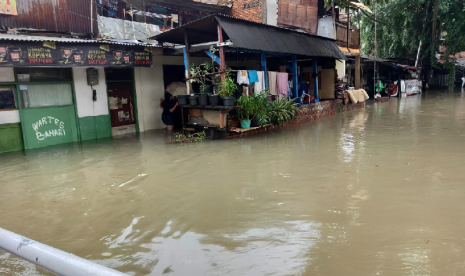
(378, 191)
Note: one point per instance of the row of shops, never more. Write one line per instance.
(56, 90)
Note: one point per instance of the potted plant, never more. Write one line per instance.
(203, 96)
(226, 91)
(247, 110)
(193, 99)
(182, 99)
(261, 116)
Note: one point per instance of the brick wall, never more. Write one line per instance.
(307, 113)
(247, 9)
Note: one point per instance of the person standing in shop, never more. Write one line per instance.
(169, 105)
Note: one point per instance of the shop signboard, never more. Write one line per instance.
(55, 54)
(412, 87)
(8, 7)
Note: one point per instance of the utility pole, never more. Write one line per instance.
(333, 12)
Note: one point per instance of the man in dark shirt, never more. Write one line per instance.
(169, 106)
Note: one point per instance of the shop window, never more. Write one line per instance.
(7, 98)
(46, 95)
(43, 74)
(123, 74)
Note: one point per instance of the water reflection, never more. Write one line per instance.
(370, 192)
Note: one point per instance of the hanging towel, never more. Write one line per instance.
(260, 84)
(283, 84)
(242, 77)
(253, 76)
(272, 83)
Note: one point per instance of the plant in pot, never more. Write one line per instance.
(261, 117)
(247, 110)
(203, 96)
(282, 111)
(226, 91)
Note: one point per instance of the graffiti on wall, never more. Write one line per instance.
(58, 128)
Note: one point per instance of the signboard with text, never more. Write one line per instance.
(55, 54)
(8, 7)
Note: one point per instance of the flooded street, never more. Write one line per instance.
(377, 191)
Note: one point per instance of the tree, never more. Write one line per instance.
(402, 24)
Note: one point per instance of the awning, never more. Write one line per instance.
(361, 6)
(405, 67)
(250, 35)
(350, 51)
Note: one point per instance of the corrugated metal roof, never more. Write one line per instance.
(64, 16)
(270, 39)
(254, 36)
(73, 40)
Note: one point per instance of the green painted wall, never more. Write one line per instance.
(11, 138)
(97, 127)
(49, 126)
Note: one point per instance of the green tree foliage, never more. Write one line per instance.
(403, 23)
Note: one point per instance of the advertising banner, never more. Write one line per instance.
(8, 7)
(412, 87)
(56, 54)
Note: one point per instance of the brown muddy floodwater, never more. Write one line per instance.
(379, 191)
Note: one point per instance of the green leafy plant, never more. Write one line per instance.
(248, 107)
(227, 87)
(190, 138)
(261, 103)
(282, 111)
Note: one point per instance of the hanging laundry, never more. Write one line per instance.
(260, 84)
(272, 83)
(283, 84)
(253, 76)
(289, 90)
(242, 77)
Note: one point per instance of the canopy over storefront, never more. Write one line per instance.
(248, 35)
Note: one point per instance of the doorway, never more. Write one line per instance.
(122, 100)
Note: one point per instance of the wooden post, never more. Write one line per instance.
(187, 63)
(348, 29)
(222, 57)
(357, 72)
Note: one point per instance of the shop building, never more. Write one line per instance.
(59, 90)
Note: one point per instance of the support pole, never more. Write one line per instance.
(222, 56)
(52, 259)
(315, 80)
(187, 62)
(333, 12)
(295, 77)
(263, 68)
(92, 19)
(376, 55)
(357, 72)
